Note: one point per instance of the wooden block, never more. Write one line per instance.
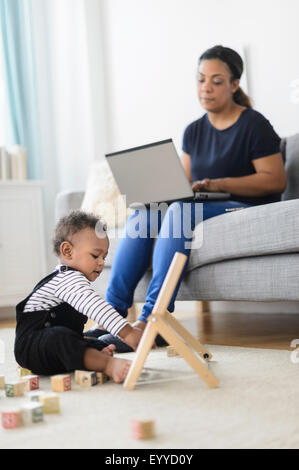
(85, 378)
(143, 429)
(14, 389)
(32, 413)
(12, 418)
(50, 403)
(61, 383)
(78, 375)
(2, 382)
(171, 352)
(35, 395)
(102, 377)
(23, 372)
(31, 382)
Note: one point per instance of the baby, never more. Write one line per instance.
(50, 321)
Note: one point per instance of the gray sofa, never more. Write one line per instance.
(248, 255)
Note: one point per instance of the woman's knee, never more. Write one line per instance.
(173, 221)
(138, 224)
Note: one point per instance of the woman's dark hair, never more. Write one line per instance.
(74, 222)
(235, 63)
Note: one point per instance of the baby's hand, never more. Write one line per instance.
(133, 338)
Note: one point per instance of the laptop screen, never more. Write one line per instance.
(151, 173)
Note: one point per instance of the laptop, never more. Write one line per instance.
(154, 173)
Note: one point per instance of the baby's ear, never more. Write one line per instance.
(66, 249)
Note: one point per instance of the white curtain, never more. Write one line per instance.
(68, 48)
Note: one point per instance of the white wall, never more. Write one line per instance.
(152, 47)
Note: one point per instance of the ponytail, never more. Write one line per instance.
(241, 98)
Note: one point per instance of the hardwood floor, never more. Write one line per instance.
(7, 323)
(253, 330)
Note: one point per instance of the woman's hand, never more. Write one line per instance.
(207, 185)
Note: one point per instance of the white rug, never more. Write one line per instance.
(255, 406)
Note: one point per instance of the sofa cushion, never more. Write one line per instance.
(292, 167)
(256, 231)
(264, 278)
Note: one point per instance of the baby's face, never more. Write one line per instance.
(85, 252)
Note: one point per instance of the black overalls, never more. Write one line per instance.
(51, 342)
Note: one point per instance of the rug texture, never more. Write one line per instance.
(255, 406)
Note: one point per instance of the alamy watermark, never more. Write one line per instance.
(171, 221)
(295, 354)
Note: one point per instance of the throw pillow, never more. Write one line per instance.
(102, 196)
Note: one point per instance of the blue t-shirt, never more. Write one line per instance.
(229, 153)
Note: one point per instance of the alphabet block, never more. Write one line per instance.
(85, 378)
(143, 429)
(31, 382)
(102, 377)
(32, 413)
(61, 383)
(23, 372)
(35, 395)
(2, 382)
(14, 389)
(50, 403)
(12, 418)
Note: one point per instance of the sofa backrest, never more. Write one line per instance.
(290, 152)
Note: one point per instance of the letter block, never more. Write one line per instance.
(23, 372)
(143, 429)
(50, 403)
(32, 413)
(61, 383)
(36, 394)
(12, 418)
(102, 377)
(14, 389)
(85, 378)
(2, 382)
(31, 382)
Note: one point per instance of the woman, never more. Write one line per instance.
(233, 149)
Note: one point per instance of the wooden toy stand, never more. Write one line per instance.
(163, 323)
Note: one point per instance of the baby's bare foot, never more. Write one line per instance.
(109, 350)
(118, 369)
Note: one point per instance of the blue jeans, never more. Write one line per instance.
(135, 253)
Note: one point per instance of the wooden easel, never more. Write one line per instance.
(163, 323)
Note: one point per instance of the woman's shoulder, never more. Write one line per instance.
(195, 126)
(252, 116)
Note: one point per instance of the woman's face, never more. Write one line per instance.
(215, 88)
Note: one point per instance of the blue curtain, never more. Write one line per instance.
(19, 69)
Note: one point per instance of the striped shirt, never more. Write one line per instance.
(75, 289)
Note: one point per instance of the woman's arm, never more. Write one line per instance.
(270, 178)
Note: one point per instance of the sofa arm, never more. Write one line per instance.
(67, 201)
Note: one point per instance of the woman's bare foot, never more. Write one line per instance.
(117, 369)
(109, 350)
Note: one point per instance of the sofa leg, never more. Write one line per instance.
(202, 306)
(132, 314)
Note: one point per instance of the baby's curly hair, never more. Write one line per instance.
(74, 222)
